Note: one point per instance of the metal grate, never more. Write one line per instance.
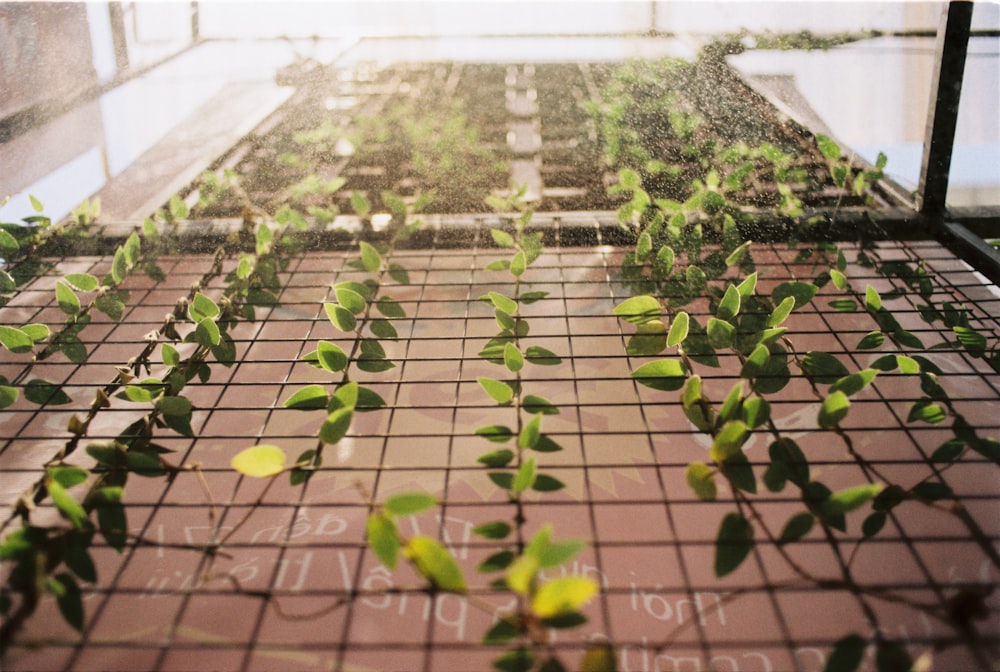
(295, 587)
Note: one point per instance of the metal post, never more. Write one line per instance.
(946, 86)
(195, 22)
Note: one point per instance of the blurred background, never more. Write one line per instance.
(86, 89)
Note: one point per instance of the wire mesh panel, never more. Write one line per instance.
(225, 571)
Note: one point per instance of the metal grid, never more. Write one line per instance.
(295, 587)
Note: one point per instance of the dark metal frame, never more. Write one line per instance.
(939, 141)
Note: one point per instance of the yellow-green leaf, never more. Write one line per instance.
(261, 461)
(383, 538)
(701, 480)
(435, 564)
(565, 595)
(678, 329)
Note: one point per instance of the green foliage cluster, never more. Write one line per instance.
(49, 558)
(671, 269)
(670, 149)
(433, 138)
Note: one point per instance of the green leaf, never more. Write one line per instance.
(823, 367)
(370, 258)
(948, 451)
(36, 332)
(801, 292)
(515, 660)
(927, 411)
(308, 398)
(202, 307)
(262, 461)
(496, 433)
(638, 309)
(701, 480)
(207, 333)
(518, 264)
(502, 632)
(781, 311)
(729, 307)
(383, 329)
(494, 530)
(839, 279)
(85, 282)
(971, 340)
(530, 433)
(501, 392)
(71, 509)
(847, 654)
(173, 405)
(873, 524)
(756, 412)
(643, 246)
(930, 491)
(340, 317)
(844, 305)
(408, 503)
(336, 425)
(435, 564)
(502, 302)
(368, 400)
(383, 537)
(67, 299)
(498, 265)
(756, 362)
(366, 291)
(496, 562)
(8, 396)
(532, 403)
(729, 440)
(733, 543)
(565, 595)
(849, 499)
(390, 307)
(855, 382)
(68, 598)
(541, 356)
(872, 299)
(119, 267)
(502, 238)
(828, 147)
(720, 333)
(678, 329)
(8, 245)
(525, 476)
(16, 340)
(68, 476)
(599, 658)
(330, 356)
(797, 527)
(546, 483)
(650, 339)
(736, 255)
(42, 392)
(350, 299)
(496, 459)
(399, 274)
(873, 340)
(110, 306)
(512, 358)
(664, 374)
(834, 409)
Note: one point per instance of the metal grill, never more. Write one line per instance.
(295, 587)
